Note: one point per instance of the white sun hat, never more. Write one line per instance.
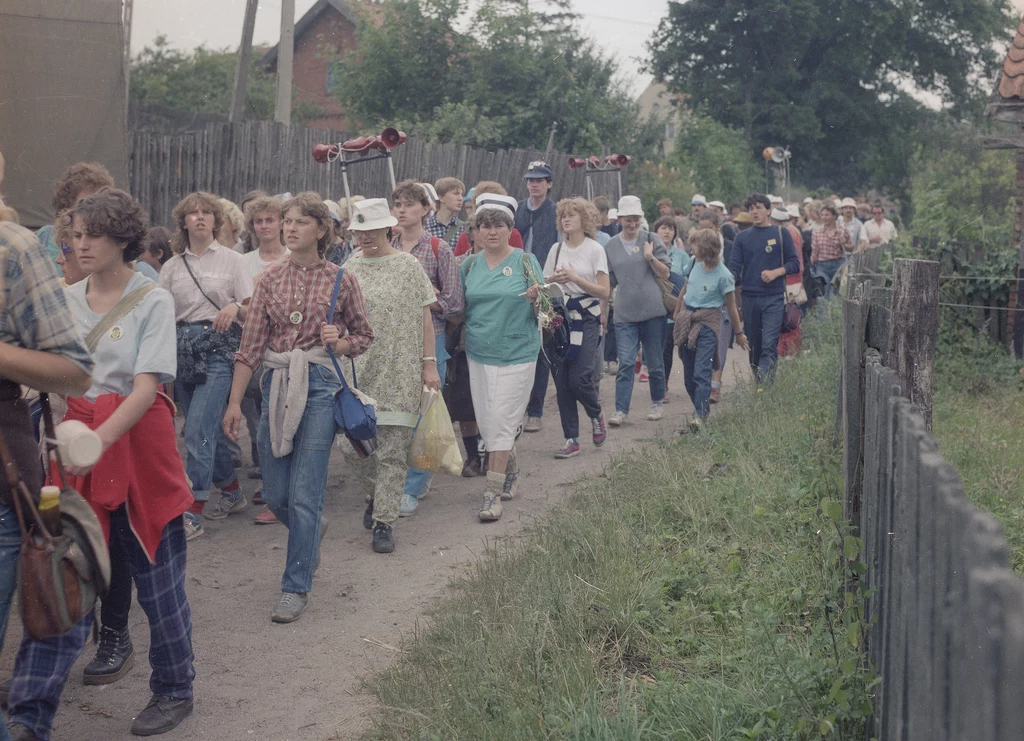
(373, 213)
(629, 206)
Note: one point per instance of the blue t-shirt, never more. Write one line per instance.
(147, 270)
(144, 341)
(706, 289)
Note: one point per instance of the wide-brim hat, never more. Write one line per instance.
(847, 202)
(698, 200)
(630, 206)
(743, 218)
(373, 213)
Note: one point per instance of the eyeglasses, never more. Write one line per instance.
(66, 249)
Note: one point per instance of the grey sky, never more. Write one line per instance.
(620, 28)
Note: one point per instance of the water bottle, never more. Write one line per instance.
(49, 509)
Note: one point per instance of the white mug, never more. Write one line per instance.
(78, 445)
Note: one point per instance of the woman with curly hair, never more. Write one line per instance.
(209, 284)
(579, 265)
(137, 488)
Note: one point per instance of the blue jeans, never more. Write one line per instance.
(10, 545)
(697, 370)
(294, 484)
(762, 322)
(629, 337)
(208, 460)
(416, 481)
(42, 666)
(827, 269)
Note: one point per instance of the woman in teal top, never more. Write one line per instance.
(666, 228)
(502, 341)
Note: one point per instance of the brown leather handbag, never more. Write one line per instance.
(61, 576)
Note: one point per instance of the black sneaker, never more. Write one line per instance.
(383, 540)
(163, 714)
(368, 516)
(115, 656)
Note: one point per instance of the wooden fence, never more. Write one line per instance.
(232, 159)
(946, 617)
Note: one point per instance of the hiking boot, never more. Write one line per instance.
(471, 467)
(408, 506)
(19, 732)
(255, 472)
(193, 525)
(265, 517)
(289, 607)
(656, 412)
(383, 538)
(368, 516)
(715, 396)
(599, 430)
(569, 450)
(490, 509)
(533, 424)
(163, 714)
(228, 504)
(618, 419)
(114, 657)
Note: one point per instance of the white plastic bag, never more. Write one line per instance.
(434, 447)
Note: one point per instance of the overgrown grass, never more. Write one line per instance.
(694, 590)
(978, 420)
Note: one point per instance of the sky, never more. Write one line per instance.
(620, 29)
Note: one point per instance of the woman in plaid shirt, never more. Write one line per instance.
(286, 330)
(829, 245)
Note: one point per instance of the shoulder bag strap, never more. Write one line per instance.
(196, 281)
(330, 320)
(116, 314)
(20, 492)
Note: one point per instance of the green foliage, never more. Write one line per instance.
(696, 589)
(826, 77)
(717, 158)
(502, 83)
(200, 81)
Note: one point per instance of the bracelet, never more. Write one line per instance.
(429, 357)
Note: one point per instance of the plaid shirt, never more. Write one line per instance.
(830, 245)
(437, 229)
(286, 288)
(33, 311)
(444, 277)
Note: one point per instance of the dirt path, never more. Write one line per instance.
(302, 682)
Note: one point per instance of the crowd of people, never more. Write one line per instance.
(240, 312)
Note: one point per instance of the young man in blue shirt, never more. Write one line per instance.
(762, 257)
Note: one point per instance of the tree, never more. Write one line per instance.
(822, 75)
(716, 158)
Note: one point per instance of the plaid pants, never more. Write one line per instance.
(383, 473)
(42, 666)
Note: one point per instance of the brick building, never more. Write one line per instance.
(325, 33)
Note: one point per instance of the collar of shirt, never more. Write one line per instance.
(214, 246)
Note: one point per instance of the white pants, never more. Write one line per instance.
(500, 395)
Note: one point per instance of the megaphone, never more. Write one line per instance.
(779, 155)
(594, 161)
(324, 153)
(619, 160)
(392, 137)
(576, 162)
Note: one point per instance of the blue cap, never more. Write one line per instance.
(538, 170)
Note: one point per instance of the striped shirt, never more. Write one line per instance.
(33, 309)
(444, 277)
(220, 271)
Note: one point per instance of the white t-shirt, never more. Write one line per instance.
(886, 232)
(256, 265)
(588, 259)
(142, 342)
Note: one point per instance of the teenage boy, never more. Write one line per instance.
(444, 223)
(605, 223)
(762, 257)
(535, 220)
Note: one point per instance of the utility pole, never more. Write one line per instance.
(237, 112)
(127, 28)
(285, 50)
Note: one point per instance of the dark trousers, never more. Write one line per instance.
(118, 600)
(670, 351)
(611, 350)
(574, 381)
(540, 386)
(42, 667)
(762, 322)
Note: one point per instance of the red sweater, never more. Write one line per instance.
(462, 246)
(143, 470)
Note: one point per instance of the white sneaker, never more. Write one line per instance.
(617, 419)
(656, 413)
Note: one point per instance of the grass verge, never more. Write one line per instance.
(693, 590)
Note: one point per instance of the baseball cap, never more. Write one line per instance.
(698, 200)
(630, 206)
(538, 170)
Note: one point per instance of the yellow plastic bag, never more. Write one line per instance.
(433, 445)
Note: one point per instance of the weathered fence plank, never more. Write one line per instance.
(915, 324)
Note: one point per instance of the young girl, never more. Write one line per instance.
(138, 487)
(698, 318)
(287, 332)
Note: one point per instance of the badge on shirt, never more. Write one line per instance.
(636, 248)
(116, 333)
(295, 317)
(507, 272)
(768, 249)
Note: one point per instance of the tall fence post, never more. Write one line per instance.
(915, 323)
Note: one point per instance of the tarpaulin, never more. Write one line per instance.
(62, 96)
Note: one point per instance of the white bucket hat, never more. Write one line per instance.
(847, 202)
(717, 204)
(629, 206)
(373, 213)
(698, 200)
(780, 214)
